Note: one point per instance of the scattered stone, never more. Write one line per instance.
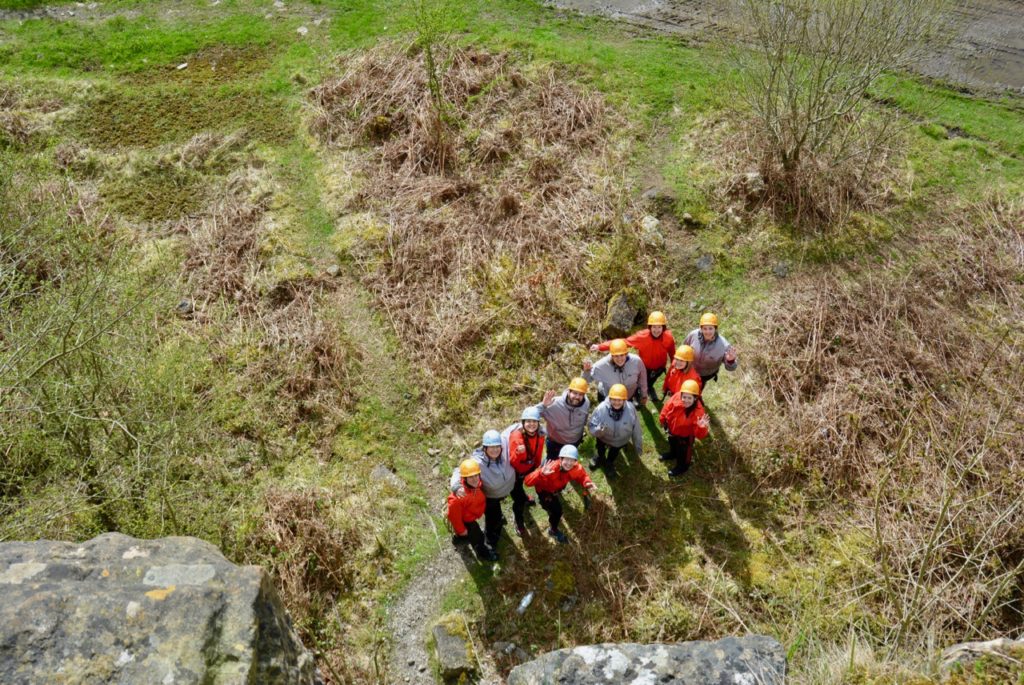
(454, 653)
(412, 662)
(622, 310)
(183, 65)
(145, 611)
(781, 269)
(383, 474)
(661, 200)
(694, 306)
(318, 21)
(651, 233)
(961, 656)
(278, 4)
(753, 184)
(733, 217)
(333, 270)
(752, 660)
(185, 308)
(433, 451)
(302, 30)
(704, 262)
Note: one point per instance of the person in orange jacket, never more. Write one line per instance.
(550, 479)
(684, 418)
(526, 451)
(682, 369)
(465, 509)
(654, 345)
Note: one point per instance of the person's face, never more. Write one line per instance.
(708, 332)
(617, 404)
(575, 398)
(618, 359)
(493, 452)
(531, 426)
(568, 464)
(679, 364)
(473, 481)
(657, 330)
(687, 399)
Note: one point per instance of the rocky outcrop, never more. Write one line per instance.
(624, 308)
(455, 658)
(115, 609)
(992, 661)
(753, 660)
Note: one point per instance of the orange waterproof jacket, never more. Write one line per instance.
(674, 379)
(679, 423)
(469, 507)
(653, 352)
(551, 478)
(529, 459)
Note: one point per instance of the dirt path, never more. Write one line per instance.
(988, 55)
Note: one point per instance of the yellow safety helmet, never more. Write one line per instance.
(468, 468)
(579, 385)
(618, 392)
(690, 387)
(618, 346)
(657, 319)
(684, 352)
(709, 319)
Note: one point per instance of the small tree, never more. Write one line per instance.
(433, 24)
(810, 71)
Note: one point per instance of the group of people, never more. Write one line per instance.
(545, 457)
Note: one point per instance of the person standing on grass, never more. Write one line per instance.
(525, 442)
(682, 369)
(619, 366)
(464, 510)
(684, 418)
(549, 481)
(565, 415)
(654, 344)
(614, 424)
(497, 480)
(710, 349)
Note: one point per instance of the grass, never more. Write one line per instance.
(723, 553)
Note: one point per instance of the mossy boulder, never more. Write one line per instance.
(453, 648)
(624, 309)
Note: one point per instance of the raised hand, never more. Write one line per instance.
(549, 397)
(704, 421)
(587, 365)
(730, 354)
(595, 348)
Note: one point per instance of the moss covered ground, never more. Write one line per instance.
(230, 406)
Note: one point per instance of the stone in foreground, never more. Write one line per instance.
(120, 610)
(454, 654)
(753, 660)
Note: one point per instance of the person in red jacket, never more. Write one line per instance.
(466, 509)
(655, 346)
(526, 451)
(682, 369)
(550, 479)
(684, 418)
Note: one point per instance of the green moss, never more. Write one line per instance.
(153, 116)
(156, 192)
(213, 65)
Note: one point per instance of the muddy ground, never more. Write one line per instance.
(988, 55)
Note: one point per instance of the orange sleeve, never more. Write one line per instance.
(670, 345)
(455, 515)
(604, 346)
(515, 439)
(581, 477)
(531, 478)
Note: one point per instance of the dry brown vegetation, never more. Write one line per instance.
(503, 226)
(899, 389)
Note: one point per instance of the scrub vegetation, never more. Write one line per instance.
(257, 299)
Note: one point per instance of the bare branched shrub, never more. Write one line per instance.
(903, 390)
(511, 238)
(807, 77)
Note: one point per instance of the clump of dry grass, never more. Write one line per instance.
(502, 236)
(901, 389)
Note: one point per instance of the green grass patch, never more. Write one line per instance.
(156, 192)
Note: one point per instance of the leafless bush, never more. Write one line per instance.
(807, 79)
(506, 238)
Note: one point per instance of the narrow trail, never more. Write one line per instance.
(413, 612)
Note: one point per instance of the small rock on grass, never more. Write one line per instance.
(382, 474)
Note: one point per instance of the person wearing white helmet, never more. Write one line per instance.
(497, 478)
(550, 479)
(525, 445)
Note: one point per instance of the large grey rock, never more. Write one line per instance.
(454, 652)
(961, 657)
(753, 660)
(117, 609)
(622, 311)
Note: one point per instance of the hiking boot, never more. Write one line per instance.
(489, 554)
(459, 540)
(678, 471)
(521, 530)
(665, 456)
(558, 535)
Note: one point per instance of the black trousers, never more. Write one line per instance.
(552, 504)
(681, 450)
(476, 538)
(493, 521)
(704, 379)
(553, 448)
(606, 454)
(519, 500)
(652, 377)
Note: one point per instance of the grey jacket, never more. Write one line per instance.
(617, 433)
(565, 424)
(496, 477)
(708, 356)
(632, 374)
